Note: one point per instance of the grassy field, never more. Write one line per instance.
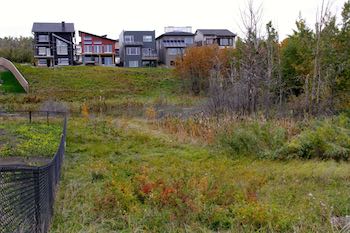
(22, 139)
(100, 88)
(124, 175)
(136, 174)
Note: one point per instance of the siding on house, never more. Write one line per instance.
(53, 44)
(138, 49)
(172, 45)
(221, 37)
(97, 50)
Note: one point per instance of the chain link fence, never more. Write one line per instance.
(27, 193)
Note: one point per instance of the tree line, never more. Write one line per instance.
(18, 50)
(308, 73)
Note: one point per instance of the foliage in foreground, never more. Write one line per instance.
(323, 139)
(18, 138)
(121, 176)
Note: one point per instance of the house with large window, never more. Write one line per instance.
(97, 50)
(221, 37)
(138, 49)
(172, 44)
(53, 44)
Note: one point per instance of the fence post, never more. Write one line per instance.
(47, 117)
(30, 116)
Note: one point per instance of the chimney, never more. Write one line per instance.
(63, 26)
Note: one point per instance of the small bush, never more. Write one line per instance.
(327, 139)
(323, 139)
(257, 139)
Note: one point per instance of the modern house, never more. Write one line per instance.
(221, 37)
(97, 50)
(138, 49)
(172, 44)
(53, 44)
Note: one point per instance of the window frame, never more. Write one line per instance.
(130, 40)
(129, 53)
(147, 40)
(136, 62)
(61, 47)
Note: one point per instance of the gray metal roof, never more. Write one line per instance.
(175, 33)
(53, 27)
(216, 32)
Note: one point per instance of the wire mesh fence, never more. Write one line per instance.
(27, 193)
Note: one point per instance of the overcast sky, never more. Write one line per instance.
(112, 16)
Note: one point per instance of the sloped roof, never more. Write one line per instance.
(175, 33)
(53, 27)
(216, 32)
(103, 37)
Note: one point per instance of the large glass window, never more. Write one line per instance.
(224, 42)
(63, 61)
(108, 61)
(132, 51)
(97, 48)
(87, 38)
(146, 51)
(42, 51)
(174, 51)
(108, 48)
(87, 49)
(133, 63)
(189, 40)
(43, 38)
(128, 38)
(42, 62)
(147, 38)
(62, 47)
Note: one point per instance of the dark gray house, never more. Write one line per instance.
(221, 37)
(172, 45)
(53, 44)
(138, 49)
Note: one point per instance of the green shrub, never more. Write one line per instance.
(326, 139)
(257, 139)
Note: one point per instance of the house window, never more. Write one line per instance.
(63, 62)
(209, 41)
(108, 61)
(133, 63)
(225, 42)
(146, 51)
(133, 51)
(42, 62)
(98, 49)
(87, 49)
(174, 51)
(108, 48)
(189, 40)
(43, 38)
(147, 38)
(62, 47)
(87, 42)
(42, 51)
(87, 38)
(129, 39)
(98, 42)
